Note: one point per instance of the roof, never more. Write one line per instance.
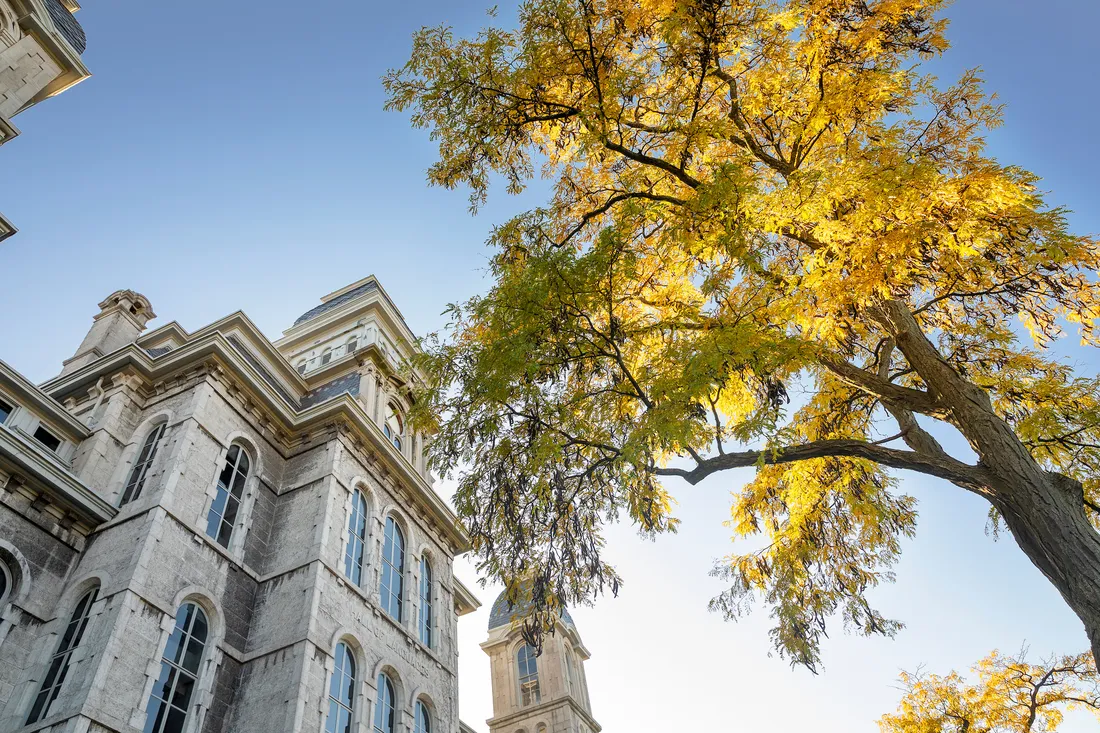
(503, 612)
(338, 301)
(67, 25)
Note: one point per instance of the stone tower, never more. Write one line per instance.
(547, 693)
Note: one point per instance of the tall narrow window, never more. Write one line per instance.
(144, 461)
(528, 675)
(353, 344)
(426, 602)
(341, 692)
(326, 356)
(393, 428)
(393, 569)
(384, 710)
(227, 502)
(5, 410)
(170, 700)
(357, 539)
(423, 720)
(59, 663)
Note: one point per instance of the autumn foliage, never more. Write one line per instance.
(751, 201)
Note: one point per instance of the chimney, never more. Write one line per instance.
(121, 319)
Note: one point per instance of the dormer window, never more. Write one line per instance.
(326, 356)
(302, 366)
(46, 438)
(352, 345)
(393, 428)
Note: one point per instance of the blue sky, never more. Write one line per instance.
(233, 156)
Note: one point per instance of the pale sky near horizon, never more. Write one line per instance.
(233, 156)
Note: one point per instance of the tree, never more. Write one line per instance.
(751, 199)
(1010, 696)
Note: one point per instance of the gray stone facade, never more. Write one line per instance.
(276, 594)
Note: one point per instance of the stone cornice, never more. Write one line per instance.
(210, 343)
(45, 468)
(40, 402)
(465, 598)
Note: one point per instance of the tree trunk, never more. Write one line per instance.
(1045, 512)
(1049, 524)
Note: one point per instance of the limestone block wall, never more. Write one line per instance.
(276, 598)
(25, 70)
(42, 562)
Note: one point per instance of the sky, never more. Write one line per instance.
(231, 156)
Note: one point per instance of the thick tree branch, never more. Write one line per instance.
(973, 478)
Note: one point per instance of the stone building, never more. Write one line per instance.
(547, 693)
(40, 47)
(214, 532)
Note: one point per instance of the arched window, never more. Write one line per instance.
(144, 462)
(227, 502)
(426, 601)
(326, 356)
(423, 719)
(352, 345)
(357, 538)
(393, 569)
(341, 692)
(528, 675)
(569, 671)
(393, 427)
(384, 709)
(6, 584)
(170, 699)
(59, 663)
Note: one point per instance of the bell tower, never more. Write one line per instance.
(547, 693)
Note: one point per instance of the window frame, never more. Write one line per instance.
(60, 661)
(355, 545)
(530, 687)
(139, 471)
(231, 493)
(171, 670)
(386, 702)
(426, 621)
(389, 571)
(8, 579)
(339, 705)
(422, 718)
(40, 428)
(395, 437)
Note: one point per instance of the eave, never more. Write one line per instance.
(42, 404)
(209, 343)
(465, 600)
(43, 467)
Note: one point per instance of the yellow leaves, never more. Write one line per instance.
(1010, 695)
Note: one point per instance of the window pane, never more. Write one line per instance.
(5, 410)
(393, 568)
(59, 663)
(155, 717)
(46, 438)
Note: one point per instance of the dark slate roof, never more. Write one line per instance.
(67, 25)
(158, 351)
(503, 612)
(337, 301)
(264, 374)
(348, 383)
